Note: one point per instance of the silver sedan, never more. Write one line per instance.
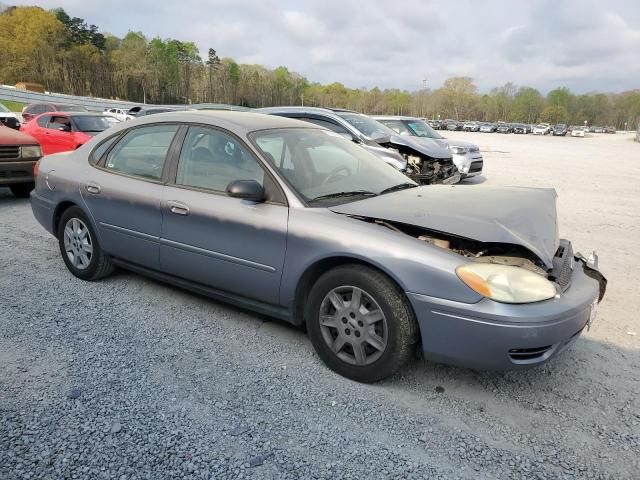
(294, 221)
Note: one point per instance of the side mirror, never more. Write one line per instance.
(247, 190)
(64, 128)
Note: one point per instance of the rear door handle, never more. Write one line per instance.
(93, 188)
(178, 208)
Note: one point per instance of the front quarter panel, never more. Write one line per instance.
(317, 234)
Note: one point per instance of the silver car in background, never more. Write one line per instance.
(424, 161)
(294, 221)
(466, 156)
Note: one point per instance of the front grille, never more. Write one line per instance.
(9, 152)
(476, 166)
(563, 263)
(526, 355)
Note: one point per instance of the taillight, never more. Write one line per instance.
(36, 168)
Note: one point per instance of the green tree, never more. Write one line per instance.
(527, 105)
(554, 114)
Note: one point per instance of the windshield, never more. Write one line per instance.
(91, 123)
(367, 126)
(320, 163)
(70, 108)
(3, 108)
(421, 128)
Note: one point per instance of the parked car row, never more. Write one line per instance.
(313, 220)
(560, 129)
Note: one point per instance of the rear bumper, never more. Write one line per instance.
(16, 172)
(43, 211)
(496, 336)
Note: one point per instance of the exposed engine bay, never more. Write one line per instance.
(502, 254)
(423, 169)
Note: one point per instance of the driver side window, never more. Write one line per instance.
(142, 151)
(211, 159)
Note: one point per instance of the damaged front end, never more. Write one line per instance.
(423, 168)
(561, 273)
(427, 171)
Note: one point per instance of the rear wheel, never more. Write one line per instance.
(79, 246)
(22, 190)
(360, 323)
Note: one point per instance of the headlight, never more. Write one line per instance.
(31, 151)
(458, 150)
(507, 284)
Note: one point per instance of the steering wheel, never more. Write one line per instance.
(334, 173)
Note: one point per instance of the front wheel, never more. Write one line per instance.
(22, 190)
(79, 246)
(360, 323)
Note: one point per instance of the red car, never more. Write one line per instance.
(63, 131)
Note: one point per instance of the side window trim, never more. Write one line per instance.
(163, 180)
(175, 158)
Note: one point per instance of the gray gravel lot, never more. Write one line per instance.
(128, 378)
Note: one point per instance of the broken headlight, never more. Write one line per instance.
(458, 150)
(504, 283)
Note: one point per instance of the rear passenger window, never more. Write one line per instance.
(102, 149)
(142, 151)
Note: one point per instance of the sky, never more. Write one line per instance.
(586, 45)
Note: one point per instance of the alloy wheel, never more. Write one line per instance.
(353, 325)
(78, 245)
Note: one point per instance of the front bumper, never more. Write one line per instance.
(489, 335)
(468, 164)
(20, 171)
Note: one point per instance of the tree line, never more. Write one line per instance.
(68, 55)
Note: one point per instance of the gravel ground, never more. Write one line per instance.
(128, 378)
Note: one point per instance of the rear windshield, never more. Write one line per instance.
(91, 124)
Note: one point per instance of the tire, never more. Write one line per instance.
(22, 190)
(384, 319)
(76, 237)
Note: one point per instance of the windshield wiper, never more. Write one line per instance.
(352, 193)
(400, 186)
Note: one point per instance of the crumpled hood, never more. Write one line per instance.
(426, 146)
(445, 142)
(515, 215)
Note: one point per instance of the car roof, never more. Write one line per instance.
(394, 117)
(74, 114)
(237, 122)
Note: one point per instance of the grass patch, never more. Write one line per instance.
(13, 106)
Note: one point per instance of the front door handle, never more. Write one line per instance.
(178, 208)
(93, 188)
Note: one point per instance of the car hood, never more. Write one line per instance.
(9, 136)
(425, 146)
(445, 142)
(513, 215)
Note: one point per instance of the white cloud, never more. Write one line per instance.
(584, 44)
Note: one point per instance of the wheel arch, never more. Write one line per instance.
(59, 211)
(319, 267)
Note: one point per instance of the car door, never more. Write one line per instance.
(124, 191)
(208, 237)
(59, 137)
